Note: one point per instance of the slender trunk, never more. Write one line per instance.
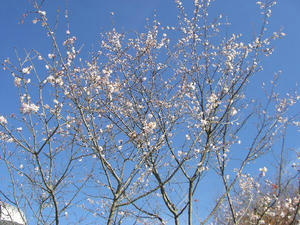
(56, 208)
(176, 220)
(190, 212)
(112, 213)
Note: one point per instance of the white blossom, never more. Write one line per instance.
(51, 56)
(56, 102)
(179, 153)
(26, 70)
(233, 111)
(150, 116)
(3, 120)
(43, 13)
(263, 171)
(17, 81)
(28, 108)
(50, 79)
(149, 127)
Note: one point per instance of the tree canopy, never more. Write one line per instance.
(162, 126)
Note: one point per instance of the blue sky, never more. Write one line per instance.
(90, 17)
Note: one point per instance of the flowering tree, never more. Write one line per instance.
(131, 134)
(263, 203)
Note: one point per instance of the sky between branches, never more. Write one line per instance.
(90, 17)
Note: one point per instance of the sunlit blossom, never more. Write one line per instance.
(3, 120)
(17, 81)
(263, 171)
(29, 107)
(26, 70)
(43, 13)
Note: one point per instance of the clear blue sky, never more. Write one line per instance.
(90, 17)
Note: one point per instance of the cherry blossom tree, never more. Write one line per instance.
(260, 200)
(263, 202)
(133, 133)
